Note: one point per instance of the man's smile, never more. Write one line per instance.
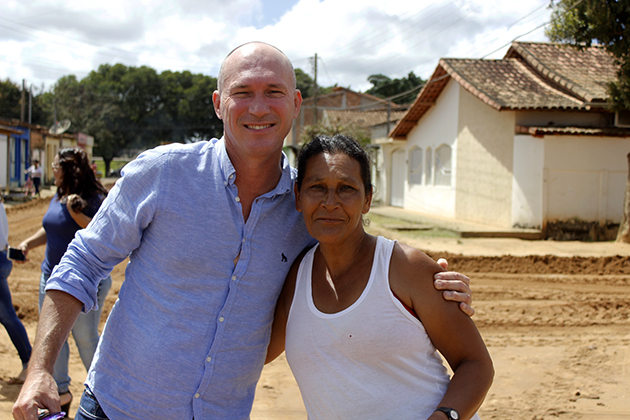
(258, 127)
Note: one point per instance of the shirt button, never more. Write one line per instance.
(243, 240)
(231, 176)
(238, 199)
(197, 395)
(233, 278)
(224, 182)
(221, 319)
(208, 359)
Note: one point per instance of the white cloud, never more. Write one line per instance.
(42, 40)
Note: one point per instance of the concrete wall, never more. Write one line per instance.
(438, 126)
(527, 182)
(484, 164)
(585, 178)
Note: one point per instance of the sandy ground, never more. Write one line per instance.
(555, 317)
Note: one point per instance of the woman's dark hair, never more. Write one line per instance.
(332, 145)
(77, 175)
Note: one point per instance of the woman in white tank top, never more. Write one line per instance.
(361, 317)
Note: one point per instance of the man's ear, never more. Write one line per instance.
(297, 102)
(216, 101)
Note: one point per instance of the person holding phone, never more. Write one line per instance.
(8, 317)
(79, 196)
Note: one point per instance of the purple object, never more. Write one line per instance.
(51, 416)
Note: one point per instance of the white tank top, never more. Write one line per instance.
(373, 360)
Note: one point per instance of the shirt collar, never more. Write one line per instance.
(284, 186)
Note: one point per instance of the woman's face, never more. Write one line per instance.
(332, 197)
(57, 171)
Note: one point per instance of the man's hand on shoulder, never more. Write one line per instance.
(456, 287)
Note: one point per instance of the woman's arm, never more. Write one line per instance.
(452, 332)
(37, 239)
(279, 327)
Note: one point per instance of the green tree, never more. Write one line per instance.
(188, 111)
(305, 83)
(10, 105)
(135, 107)
(385, 87)
(605, 22)
(10, 95)
(360, 134)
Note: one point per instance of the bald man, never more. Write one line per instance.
(211, 230)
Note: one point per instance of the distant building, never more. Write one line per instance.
(525, 141)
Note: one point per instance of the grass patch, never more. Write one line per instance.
(382, 222)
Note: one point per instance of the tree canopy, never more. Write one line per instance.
(306, 84)
(384, 87)
(135, 107)
(10, 106)
(605, 22)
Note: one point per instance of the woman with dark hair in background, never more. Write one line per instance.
(362, 321)
(79, 196)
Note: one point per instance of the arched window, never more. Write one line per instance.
(428, 167)
(415, 166)
(443, 165)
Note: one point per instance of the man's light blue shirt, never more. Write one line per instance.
(188, 334)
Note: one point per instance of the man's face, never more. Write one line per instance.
(258, 101)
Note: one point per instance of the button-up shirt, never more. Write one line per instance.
(188, 334)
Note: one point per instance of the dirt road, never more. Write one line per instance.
(557, 327)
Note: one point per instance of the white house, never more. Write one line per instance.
(524, 141)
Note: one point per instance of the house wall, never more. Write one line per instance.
(527, 182)
(485, 153)
(585, 178)
(384, 169)
(438, 126)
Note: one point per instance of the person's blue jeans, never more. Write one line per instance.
(89, 408)
(8, 317)
(85, 333)
(36, 182)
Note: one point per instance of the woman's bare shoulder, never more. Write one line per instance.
(412, 261)
(411, 274)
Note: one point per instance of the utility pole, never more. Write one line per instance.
(315, 118)
(30, 105)
(23, 101)
(389, 114)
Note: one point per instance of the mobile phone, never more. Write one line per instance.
(16, 254)
(45, 415)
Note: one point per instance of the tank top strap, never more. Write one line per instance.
(304, 275)
(382, 259)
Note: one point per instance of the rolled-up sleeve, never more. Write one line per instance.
(115, 231)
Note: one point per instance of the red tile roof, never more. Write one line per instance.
(531, 76)
(580, 131)
(585, 72)
(368, 118)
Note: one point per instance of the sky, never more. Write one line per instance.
(43, 40)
